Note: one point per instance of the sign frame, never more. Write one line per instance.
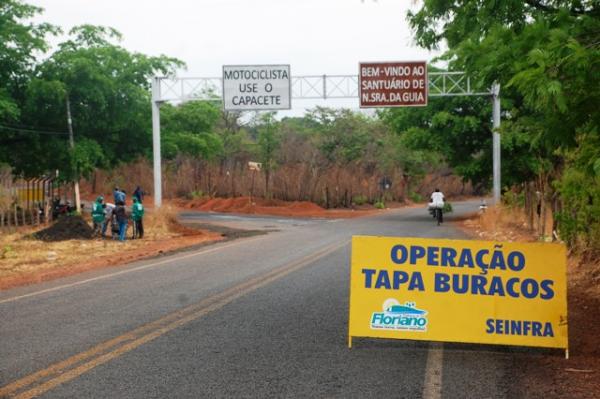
(480, 313)
(393, 105)
(288, 66)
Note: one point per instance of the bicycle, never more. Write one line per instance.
(439, 215)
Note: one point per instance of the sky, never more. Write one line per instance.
(315, 37)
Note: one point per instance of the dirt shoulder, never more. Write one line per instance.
(24, 259)
(552, 376)
(260, 206)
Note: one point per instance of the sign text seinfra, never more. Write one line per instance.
(256, 87)
(393, 84)
(459, 291)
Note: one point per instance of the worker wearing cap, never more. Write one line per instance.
(98, 214)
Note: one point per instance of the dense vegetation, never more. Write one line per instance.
(544, 53)
(546, 56)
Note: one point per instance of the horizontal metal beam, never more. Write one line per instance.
(310, 87)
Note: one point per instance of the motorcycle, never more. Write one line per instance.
(60, 209)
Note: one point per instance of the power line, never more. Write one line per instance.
(22, 130)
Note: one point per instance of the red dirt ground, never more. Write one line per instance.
(261, 206)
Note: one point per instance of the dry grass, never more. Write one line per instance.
(293, 181)
(22, 255)
(499, 223)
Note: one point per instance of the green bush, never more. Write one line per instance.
(513, 200)
(196, 194)
(415, 197)
(579, 220)
(447, 207)
(379, 205)
(359, 199)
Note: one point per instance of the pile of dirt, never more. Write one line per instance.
(304, 206)
(66, 228)
(248, 205)
(261, 206)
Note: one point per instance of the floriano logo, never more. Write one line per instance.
(399, 317)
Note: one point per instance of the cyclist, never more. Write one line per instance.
(437, 203)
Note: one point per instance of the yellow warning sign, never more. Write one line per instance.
(459, 291)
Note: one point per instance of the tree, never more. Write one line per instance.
(189, 129)
(20, 40)
(108, 88)
(268, 143)
(545, 54)
(457, 129)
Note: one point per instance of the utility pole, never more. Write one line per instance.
(156, 142)
(496, 142)
(72, 145)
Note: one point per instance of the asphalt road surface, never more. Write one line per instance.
(258, 317)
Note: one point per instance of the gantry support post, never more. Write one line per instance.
(156, 142)
(496, 137)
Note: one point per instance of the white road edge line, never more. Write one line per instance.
(432, 388)
(135, 269)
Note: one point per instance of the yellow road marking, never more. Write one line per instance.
(126, 342)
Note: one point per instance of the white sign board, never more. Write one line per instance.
(256, 87)
(256, 166)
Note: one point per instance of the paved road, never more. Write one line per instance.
(264, 316)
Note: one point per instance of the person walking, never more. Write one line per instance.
(137, 214)
(121, 215)
(98, 215)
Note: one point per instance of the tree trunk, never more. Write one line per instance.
(556, 209)
(94, 180)
(532, 205)
(542, 202)
(267, 177)
(47, 211)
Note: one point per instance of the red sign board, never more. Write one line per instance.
(393, 84)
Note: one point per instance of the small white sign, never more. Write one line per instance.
(256, 166)
(256, 87)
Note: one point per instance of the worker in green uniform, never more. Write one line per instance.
(137, 214)
(98, 215)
